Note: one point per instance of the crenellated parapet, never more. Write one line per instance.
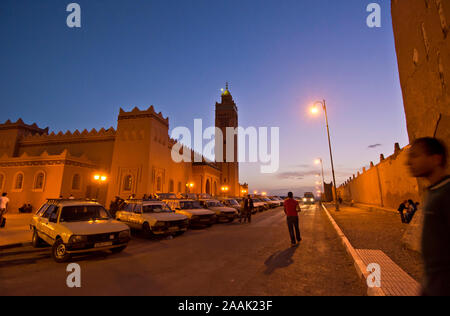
(46, 159)
(20, 124)
(137, 113)
(68, 136)
(383, 161)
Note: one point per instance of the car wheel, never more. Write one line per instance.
(59, 252)
(118, 250)
(36, 241)
(146, 230)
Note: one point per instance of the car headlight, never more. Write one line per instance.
(77, 239)
(304, 200)
(312, 200)
(125, 234)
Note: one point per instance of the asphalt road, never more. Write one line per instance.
(224, 260)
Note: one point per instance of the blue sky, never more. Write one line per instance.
(279, 56)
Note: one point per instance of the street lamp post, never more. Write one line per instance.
(315, 110)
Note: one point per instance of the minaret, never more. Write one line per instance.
(227, 116)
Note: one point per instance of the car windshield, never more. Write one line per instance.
(233, 202)
(83, 213)
(167, 196)
(156, 208)
(214, 204)
(190, 205)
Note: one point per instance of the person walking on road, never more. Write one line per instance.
(4, 201)
(291, 209)
(427, 158)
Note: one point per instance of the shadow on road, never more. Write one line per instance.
(279, 260)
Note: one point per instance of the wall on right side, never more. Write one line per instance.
(386, 184)
(422, 41)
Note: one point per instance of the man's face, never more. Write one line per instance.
(420, 164)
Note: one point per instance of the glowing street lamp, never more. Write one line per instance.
(99, 179)
(315, 110)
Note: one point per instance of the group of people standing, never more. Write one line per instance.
(407, 210)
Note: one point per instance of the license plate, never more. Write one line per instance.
(173, 229)
(103, 244)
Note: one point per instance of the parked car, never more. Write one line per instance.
(77, 226)
(258, 205)
(278, 200)
(231, 203)
(269, 202)
(197, 215)
(223, 213)
(152, 218)
(166, 196)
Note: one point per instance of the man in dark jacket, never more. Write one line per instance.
(428, 159)
(247, 208)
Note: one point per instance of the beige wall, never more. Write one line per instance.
(52, 185)
(422, 41)
(386, 184)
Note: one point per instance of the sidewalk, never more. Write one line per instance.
(17, 230)
(369, 229)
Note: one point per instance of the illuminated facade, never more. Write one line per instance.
(135, 158)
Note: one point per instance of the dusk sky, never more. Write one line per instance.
(278, 55)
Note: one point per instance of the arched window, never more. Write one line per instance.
(128, 183)
(39, 181)
(18, 182)
(208, 187)
(158, 184)
(76, 182)
(2, 181)
(171, 186)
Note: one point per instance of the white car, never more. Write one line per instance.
(198, 216)
(152, 217)
(77, 226)
(258, 205)
(275, 201)
(223, 213)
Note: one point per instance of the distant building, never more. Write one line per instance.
(135, 159)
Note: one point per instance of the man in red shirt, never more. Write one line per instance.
(292, 208)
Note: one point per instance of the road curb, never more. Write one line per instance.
(15, 245)
(357, 261)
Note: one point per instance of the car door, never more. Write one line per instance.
(136, 216)
(44, 224)
(125, 213)
(53, 222)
